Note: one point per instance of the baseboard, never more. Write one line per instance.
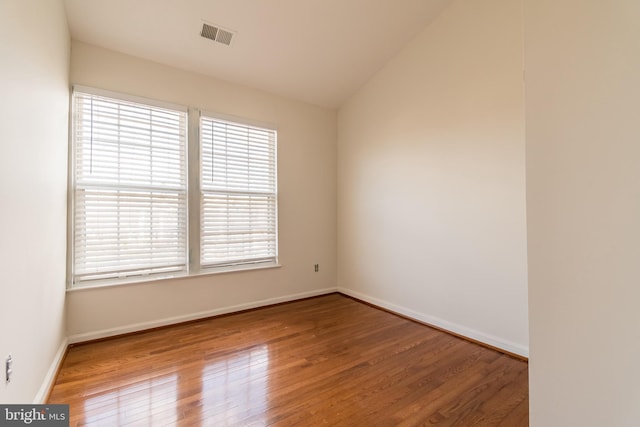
(89, 336)
(456, 329)
(472, 334)
(50, 377)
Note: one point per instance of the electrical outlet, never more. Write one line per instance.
(7, 369)
(316, 267)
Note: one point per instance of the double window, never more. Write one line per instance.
(148, 203)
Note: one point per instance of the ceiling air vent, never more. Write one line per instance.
(215, 33)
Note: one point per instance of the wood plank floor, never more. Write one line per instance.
(323, 361)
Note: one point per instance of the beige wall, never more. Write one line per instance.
(431, 189)
(34, 63)
(307, 206)
(583, 207)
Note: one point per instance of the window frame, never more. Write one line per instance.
(234, 120)
(193, 192)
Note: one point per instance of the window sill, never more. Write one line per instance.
(164, 277)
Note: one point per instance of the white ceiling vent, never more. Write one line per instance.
(216, 33)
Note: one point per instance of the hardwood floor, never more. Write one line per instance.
(323, 361)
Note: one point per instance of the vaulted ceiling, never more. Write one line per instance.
(317, 51)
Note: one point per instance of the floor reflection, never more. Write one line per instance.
(145, 402)
(234, 390)
(229, 391)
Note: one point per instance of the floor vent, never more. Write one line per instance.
(217, 34)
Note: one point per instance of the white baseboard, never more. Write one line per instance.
(50, 376)
(442, 324)
(193, 316)
(491, 340)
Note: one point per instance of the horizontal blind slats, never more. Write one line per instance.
(130, 215)
(238, 193)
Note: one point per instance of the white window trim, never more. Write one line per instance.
(161, 278)
(195, 234)
(193, 196)
(130, 98)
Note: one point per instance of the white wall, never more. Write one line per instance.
(307, 205)
(34, 93)
(431, 188)
(583, 206)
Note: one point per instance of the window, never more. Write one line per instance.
(132, 216)
(238, 194)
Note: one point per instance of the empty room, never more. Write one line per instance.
(306, 212)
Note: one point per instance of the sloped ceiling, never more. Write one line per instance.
(317, 51)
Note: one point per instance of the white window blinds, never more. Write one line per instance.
(238, 209)
(129, 184)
